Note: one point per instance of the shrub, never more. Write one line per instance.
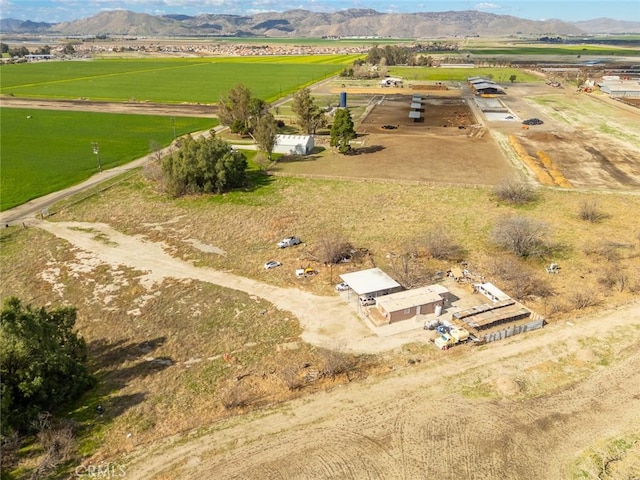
(521, 236)
(590, 212)
(514, 190)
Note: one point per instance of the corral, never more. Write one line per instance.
(587, 140)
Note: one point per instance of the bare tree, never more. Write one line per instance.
(521, 281)
(337, 362)
(514, 190)
(615, 276)
(441, 245)
(581, 299)
(332, 247)
(407, 269)
(522, 236)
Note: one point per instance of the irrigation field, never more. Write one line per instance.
(44, 151)
(192, 80)
(461, 74)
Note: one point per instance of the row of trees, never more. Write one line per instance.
(210, 165)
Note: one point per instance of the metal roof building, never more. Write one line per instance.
(617, 87)
(293, 144)
(370, 282)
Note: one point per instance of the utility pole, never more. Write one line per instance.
(96, 151)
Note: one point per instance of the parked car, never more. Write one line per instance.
(342, 287)
(289, 242)
(272, 264)
(366, 300)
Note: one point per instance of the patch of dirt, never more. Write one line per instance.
(140, 108)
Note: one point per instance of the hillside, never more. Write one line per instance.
(303, 23)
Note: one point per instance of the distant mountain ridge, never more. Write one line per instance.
(303, 23)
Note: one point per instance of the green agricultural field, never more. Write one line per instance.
(461, 74)
(200, 80)
(52, 149)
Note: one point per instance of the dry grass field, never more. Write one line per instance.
(193, 372)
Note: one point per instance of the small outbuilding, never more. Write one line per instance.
(409, 303)
(294, 144)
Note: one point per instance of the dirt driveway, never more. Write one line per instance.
(327, 321)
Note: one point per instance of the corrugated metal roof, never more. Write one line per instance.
(369, 281)
(292, 139)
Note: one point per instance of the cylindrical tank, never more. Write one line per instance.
(438, 310)
(343, 99)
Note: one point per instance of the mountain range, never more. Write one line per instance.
(303, 23)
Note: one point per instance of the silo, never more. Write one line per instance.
(343, 99)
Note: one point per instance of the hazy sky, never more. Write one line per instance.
(569, 10)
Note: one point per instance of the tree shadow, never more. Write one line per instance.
(366, 150)
(108, 360)
(257, 179)
(106, 355)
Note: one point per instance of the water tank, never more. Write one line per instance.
(343, 99)
(438, 311)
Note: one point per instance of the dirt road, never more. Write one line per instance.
(475, 414)
(418, 425)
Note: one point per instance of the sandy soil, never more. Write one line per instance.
(411, 424)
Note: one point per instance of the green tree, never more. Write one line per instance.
(310, 117)
(265, 134)
(240, 110)
(512, 78)
(4, 48)
(205, 165)
(342, 130)
(69, 49)
(42, 362)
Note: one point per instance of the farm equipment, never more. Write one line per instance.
(450, 336)
(306, 272)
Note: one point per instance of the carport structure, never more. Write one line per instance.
(372, 282)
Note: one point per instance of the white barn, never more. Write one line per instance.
(293, 144)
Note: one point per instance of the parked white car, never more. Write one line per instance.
(289, 242)
(342, 287)
(271, 264)
(366, 300)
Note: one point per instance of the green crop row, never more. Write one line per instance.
(461, 74)
(44, 151)
(168, 81)
(569, 50)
